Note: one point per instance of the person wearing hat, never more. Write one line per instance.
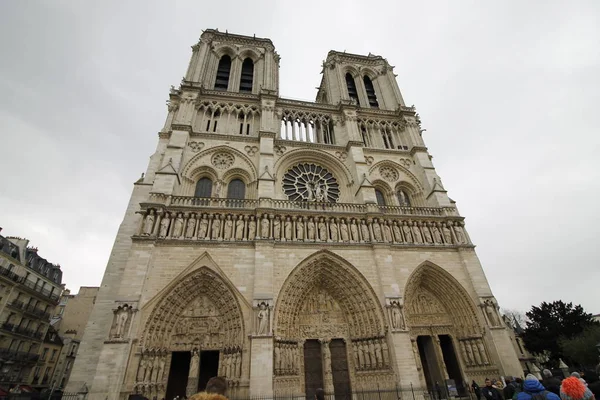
(534, 390)
(572, 388)
(215, 390)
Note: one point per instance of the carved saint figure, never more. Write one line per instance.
(228, 231)
(148, 224)
(397, 320)
(376, 230)
(122, 315)
(385, 352)
(164, 226)
(277, 358)
(178, 226)
(194, 364)
(322, 230)
(142, 369)
(239, 228)
(387, 232)
(447, 235)
(251, 228)
(300, 229)
(476, 353)
(203, 227)
(417, 233)
(427, 234)
(191, 227)
(437, 236)
(364, 231)
(460, 234)
(277, 228)
(287, 227)
(397, 233)
(263, 319)
(482, 352)
(354, 231)
(490, 311)
(407, 233)
(334, 230)
(344, 231)
(264, 227)
(216, 228)
(310, 227)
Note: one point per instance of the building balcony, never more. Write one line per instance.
(212, 219)
(10, 275)
(32, 287)
(12, 355)
(20, 330)
(30, 309)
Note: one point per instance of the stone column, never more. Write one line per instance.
(192, 385)
(327, 373)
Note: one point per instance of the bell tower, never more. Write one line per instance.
(234, 63)
(365, 81)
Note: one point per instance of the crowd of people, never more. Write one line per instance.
(574, 387)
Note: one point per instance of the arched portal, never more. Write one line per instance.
(329, 330)
(195, 331)
(445, 332)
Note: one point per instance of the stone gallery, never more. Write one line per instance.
(289, 245)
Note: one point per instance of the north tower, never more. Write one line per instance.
(289, 245)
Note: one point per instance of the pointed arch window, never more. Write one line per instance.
(351, 85)
(371, 96)
(236, 190)
(380, 197)
(223, 70)
(403, 198)
(203, 187)
(247, 75)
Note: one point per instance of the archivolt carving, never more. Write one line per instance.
(242, 161)
(387, 163)
(315, 284)
(434, 297)
(198, 311)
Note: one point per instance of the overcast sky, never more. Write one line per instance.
(508, 92)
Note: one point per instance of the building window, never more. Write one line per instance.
(44, 354)
(370, 92)
(53, 356)
(380, 198)
(203, 187)
(68, 365)
(352, 93)
(388, 141)
(247, 75)
(236, 189)
(403, 198)
(223, 71)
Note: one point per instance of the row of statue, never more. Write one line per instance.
(371, 354)
(151, 370)
(286, 358)
(230, 364)
(192, 226)
(473, 352)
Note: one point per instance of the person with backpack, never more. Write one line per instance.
(534, 390)
(476, 390)
(511, 388)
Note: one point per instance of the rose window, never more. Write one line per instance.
(310, 182)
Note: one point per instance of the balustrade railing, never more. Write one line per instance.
(53, 296)
(30, 309)
(343, 208)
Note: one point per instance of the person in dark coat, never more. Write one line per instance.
(551, 383)
(489, 392)
(476, 390)
(510, 389)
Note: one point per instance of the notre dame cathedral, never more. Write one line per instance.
(289, 245)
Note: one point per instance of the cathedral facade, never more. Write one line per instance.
(289, 245)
